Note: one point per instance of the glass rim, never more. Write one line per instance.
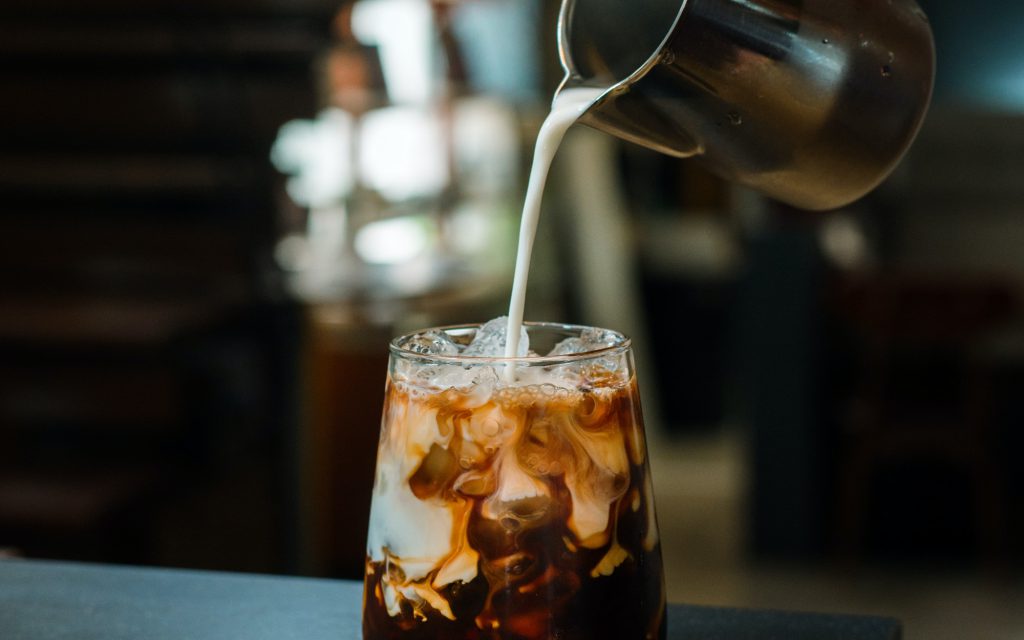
(621, 347)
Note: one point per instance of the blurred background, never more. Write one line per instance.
(216, 213)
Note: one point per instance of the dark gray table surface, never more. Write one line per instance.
(63, 601)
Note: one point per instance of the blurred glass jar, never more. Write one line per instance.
(409, 175)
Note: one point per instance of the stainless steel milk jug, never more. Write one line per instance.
(811, 102)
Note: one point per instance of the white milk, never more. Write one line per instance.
(568, 106)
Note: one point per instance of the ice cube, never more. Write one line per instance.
(454, 377)
(568, 347)
(590, 339)
(432, 343)
(489, 340)
(477, 383)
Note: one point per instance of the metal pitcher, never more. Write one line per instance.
(811, 102)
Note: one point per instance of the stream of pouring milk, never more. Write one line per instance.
(567, 107)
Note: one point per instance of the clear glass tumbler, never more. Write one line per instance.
(513, 497)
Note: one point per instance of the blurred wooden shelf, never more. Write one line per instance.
(124, 173)
(196, 8)
(140, 325)
(153, 42)
(112, 323)
(72, 501)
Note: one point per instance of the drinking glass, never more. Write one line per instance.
(512, 496)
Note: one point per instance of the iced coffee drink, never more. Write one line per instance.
(512, 496)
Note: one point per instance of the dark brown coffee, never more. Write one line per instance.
(522, 513)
